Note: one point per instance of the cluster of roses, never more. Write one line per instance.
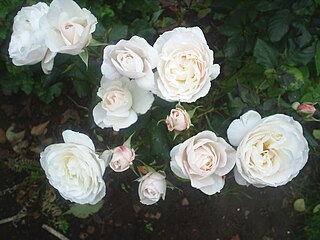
(178, 67)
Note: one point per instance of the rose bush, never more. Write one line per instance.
(185, 66)
(67, 27)
(74, 169)
(27, 44)
(152, 187)
(178, 120)
(133, 58)
(204, 159)
(122, 100)
(271, 151)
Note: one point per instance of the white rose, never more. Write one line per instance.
(121, 101)
(68, 27)
(122, 158)
(27, 44)
(133, 58)
(178, 120)
(74, 169)
(185, 66)
(271, 151)
(152, 187)
(205, 159)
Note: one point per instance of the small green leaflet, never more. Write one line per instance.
(84, 210)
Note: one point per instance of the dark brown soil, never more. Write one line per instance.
(236, 213)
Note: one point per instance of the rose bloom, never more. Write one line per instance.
(121, 101)
(27, 44)
(178, 120)
(68, 28)
(120, 158)
(133, 58)
(205, 159)
(185, 66)
(74, 169)
(152, 187)
(271, 151)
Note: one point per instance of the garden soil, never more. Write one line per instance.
(236, 213)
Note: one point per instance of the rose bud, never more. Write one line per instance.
(178, 120)
(152, 187)
(306, 109)
(122, 158)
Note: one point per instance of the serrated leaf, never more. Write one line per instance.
(317, 58)
(84, 210)
(279, 25)
(296, 56)
(265, 54)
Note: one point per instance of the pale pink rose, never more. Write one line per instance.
(121, 102)
(133, 58)
(178, 120)
(152, 187)
(67, 27)
(271, 151)
(205, 159)
(122, 158)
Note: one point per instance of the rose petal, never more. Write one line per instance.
(70, 136)
(240, 127)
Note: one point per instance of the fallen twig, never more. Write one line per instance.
(54, 232)
(13, 218)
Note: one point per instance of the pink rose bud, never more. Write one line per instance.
(306, 109)
(122, 158)
(178, 120)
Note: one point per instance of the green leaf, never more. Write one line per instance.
(84, 210)
(235, 105)
(203, 12)
(81, 86)
(265, 6)
(118, 32)
(84, 55)
(297, 56)
(265, 54)
(291, 78)
(316, 208)
(279, 25)
(230, 30)
(317, 58)
(127, 143)
(234, 46)
(95, 43)
(158, 140)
